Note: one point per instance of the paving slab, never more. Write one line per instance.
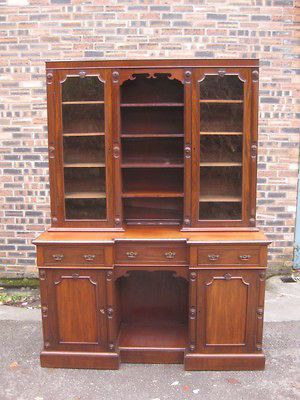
(22, 378)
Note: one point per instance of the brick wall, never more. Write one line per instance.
(32, 31)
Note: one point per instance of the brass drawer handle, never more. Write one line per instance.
(89, 257)
(170, 254)
(57, 257)
(213, 257)
(245, 257)
(131, 254)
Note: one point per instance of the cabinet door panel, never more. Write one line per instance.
(226, 305)
(225, 316)
(77, 303)
(77, 319)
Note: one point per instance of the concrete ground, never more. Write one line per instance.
(21, 377)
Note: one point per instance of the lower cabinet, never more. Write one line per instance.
(226, 319)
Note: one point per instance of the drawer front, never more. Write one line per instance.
(79, 255)
(235, 255)
(149, 254)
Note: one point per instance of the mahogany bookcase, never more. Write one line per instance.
(152, 255)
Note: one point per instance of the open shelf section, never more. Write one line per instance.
(152, 183)
(144, 120)
(152, 211)
(152, 132)
(153, 315)
(138, 335)
(155, 153)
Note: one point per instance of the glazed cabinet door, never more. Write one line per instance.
(79, 119)
(224, 104)
(229, 311)
(74, 309)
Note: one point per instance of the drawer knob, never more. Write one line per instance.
(213, 257)
(89, 257)
(245, 257)
(131, 254)
(57, 257)
(170, 254)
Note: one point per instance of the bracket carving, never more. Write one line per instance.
(222, 73)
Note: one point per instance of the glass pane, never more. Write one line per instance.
(228, 87)
(84, 148)
(82, 89)
(221, 148)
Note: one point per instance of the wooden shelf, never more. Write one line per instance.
(84, 134)
(84, 165)
(219, 101)
(152, 104)
(221, 164)
(85, 195)
(220, 133)
(154, 194)
(82, 102)
(220, 199)
(152, 135)
(151, 165)
(160, 335)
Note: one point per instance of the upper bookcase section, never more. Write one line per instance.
(152, 143)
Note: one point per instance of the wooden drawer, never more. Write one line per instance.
(231, 255)
(73, 255)
(151, 253)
